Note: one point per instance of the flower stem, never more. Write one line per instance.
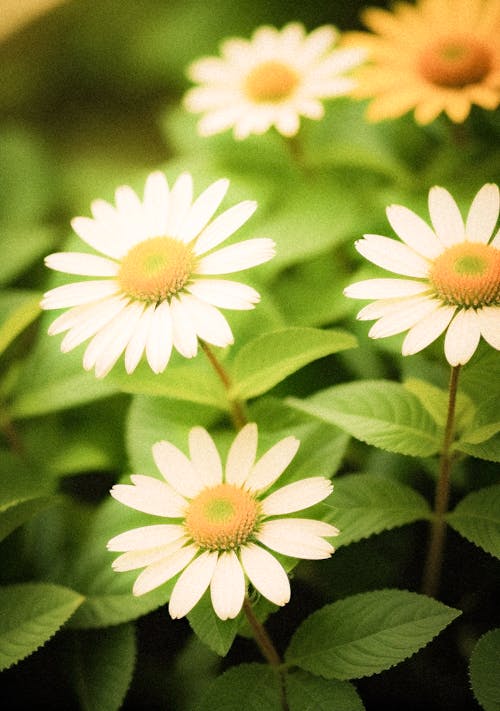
(236, 407)
(267, 648)
(434, 559)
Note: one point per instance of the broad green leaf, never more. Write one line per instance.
(477, 518)
(364, 504)
(270, 358)
(215, 633)
(21, 247)
(486, 423)
(17, 310)
(483, 671)
(435, 401)
(248, 687)
(305, 692)
(489, 449)
(102, 666)
(31, 614)
(378, 412)
(367, 633)
(16, 513)
(480, 372)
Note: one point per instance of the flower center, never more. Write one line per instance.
(467, 274)
(222, 517)
(155, 269)
(270, 81)
(455, 63)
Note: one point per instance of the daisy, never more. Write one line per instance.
(218, 527)
(434, 56)
(455, 276)
(269, 80)
(154, 288)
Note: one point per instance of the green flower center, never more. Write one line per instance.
(455, 62)
(468, 275)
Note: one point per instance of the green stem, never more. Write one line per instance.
(11, 435)
(236, 407)
(434, 559)
(296, 152)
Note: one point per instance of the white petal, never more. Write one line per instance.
(184, 334)
(272, 464)
(340, 61)
(155, 205)
(392, 255)
(202, 210)
(128, 204)
(141, 558)
(192, 583)
(159, 339)
(414, 231)
(462, 337)
(102, 236)
(146, 537)
(137, 344)
(224, 226)
(181, 196)
(209, 324)
(205, 457)
(91, 319)
(224, 294)
(489, 323)
(158, 573)
(427, 330)
(404, 318)
(227, 587)
(237, 257)
(265, 573)
(82, 264)
(120, 331)
(80, 292)
(483, 214)
(241, 456)
(385, 288)
(496, 240)
(102, 211)
(218, 121)
(445, 217)
(317, 43)
(297, 496)
(386, 307)
(177, 469)
(297, 538)
(288, 122)
(150, 496)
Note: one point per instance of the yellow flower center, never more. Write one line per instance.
(468, 275)
(270, 81)
(455, 62)
(155, 269)
(222, 517)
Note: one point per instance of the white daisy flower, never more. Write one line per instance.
(220, 525)
(269, 80)
(154, 288)
(455, 276)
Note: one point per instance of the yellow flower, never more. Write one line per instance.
(438, 55)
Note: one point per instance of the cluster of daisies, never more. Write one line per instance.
(152, 281)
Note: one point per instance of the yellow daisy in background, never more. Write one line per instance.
(434, 56)
(155, 288)
(455, 276)
(220, 525)
(270, 80)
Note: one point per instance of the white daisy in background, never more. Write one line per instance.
(154, 288)
(272, 79)
(220, 525)
(455, 272)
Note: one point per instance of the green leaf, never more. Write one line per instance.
(483, 671)
(367, 634)
(312, 693)
(17, 310)
(480, 372)
(489, 449)
(486, 422)
(18, 512)
(248, 687)
(378, 412)
(364, 504)
(477, 518)
(435, 401)
(102, 666)
(215, 633)
(270, 358)
(31, 614)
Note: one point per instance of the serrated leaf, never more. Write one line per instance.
(31, 614)
(305, 692)
(267, 360)
(367, 633)
(477, 518)
(483, 671)
(102, 666)
(435, 401)
(364, 504)
(489, 449)
(486, 422)
(378, 412)
(248, 687)
(215, 633)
